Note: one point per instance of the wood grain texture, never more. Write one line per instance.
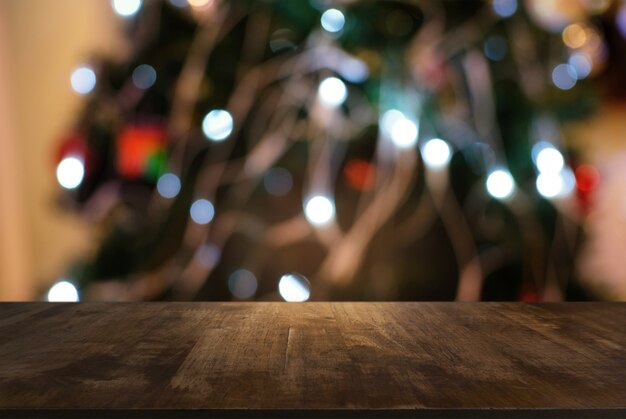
(404, 357)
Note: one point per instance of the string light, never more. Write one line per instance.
(495, 48)
(199, 4)
(179, 3)
(574, 35)
(319, 210)
(208, 255)
(436, 153)
(202, 211)
(63, 291)
(242, 284)
(277, 181)
(70, 172)
(400, 129)
(564, 76)
(294, 287)
(500, 184)
(555, 184)
(353, 70)
(549, 160)
(504, 8)
(332, 20)
(83, 80)
(126, 8)
(332, 92)
(144, 76)
(217, 125)
(581, 64)
(168, 185)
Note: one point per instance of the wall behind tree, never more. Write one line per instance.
(40, 43)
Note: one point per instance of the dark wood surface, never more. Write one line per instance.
(376, 359)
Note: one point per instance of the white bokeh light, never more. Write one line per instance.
(168, 185)
(401, 130)
(555, 184)
(389, 118)
(500, 184)
(549, 184)
(126, 8)
(332, 92)
(217, 125)
(294, 288)
(202, 211)
(83, 80)
(242, 284)
(549, 160)
(63, 291)
(70, 172)
(436, 153)
(319, 210)
(404, 133)
(332, 20)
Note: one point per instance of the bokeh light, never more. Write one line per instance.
(242, 284)
(504, 8)
(402, 131)
(319, 210)
(168, 185)
(564, 76)
(574, 35)
(495, 48)
(202, 211)
(63, 291)
(179, 3)
(581, 64)
(208, 255)
(587, 177)
(126, 8)
(354, 70)
(83, 80)
(549, 184)
(500, 184)
(144, 76)
(294, 287)
(549, 160)
(620, 20)
(332, 92)
(277, 181)
(332, 20)
(555, 184)
(200, 4)
(217, 125)
(436, 153)
(70, 172)
(360, 174)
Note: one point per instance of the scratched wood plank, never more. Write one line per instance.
(416, 359)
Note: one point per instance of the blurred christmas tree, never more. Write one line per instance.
(383, 150)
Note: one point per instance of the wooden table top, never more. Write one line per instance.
(294, 359)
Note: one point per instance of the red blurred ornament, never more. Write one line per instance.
(360, 174)
(587, 180)
(140, 150)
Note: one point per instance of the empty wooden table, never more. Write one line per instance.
(313, 360)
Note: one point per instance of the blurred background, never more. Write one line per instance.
(313, 150)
